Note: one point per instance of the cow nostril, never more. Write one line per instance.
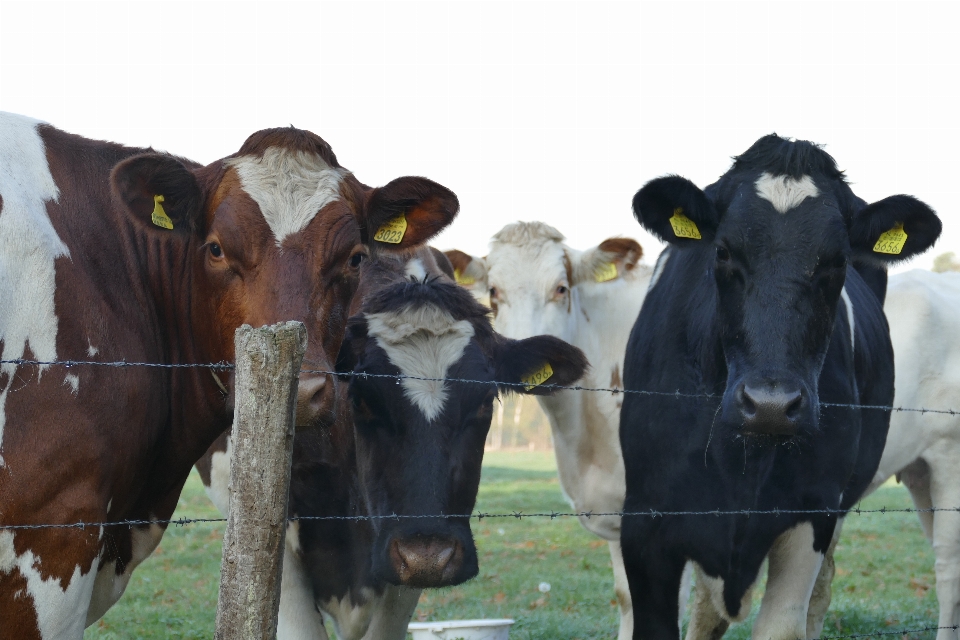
(314, 398)
(747, 404)
(794, 405)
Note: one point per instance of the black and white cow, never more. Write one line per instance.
(412, 447)
(758, 302)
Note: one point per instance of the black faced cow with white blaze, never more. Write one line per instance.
(410, 445)
(760, 307)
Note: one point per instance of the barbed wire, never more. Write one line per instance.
(480, 516)
(899, 632)
(226, 366)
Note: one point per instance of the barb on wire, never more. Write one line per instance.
(226, 366)
(516, 515)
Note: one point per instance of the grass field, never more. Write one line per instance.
(884, 569)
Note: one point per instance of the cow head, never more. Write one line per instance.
(533, 279)
(419, 441)
(276, 232)
(780, 230)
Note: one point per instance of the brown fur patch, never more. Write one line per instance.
(291, 139)
(628, 250)
(459, 259)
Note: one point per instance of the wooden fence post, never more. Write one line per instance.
(268, 365)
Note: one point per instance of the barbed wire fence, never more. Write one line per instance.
(214, 367)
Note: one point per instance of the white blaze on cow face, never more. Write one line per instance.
(29, 247)
(423, 342)
(290, 187)
(784, 192)
(528, 264)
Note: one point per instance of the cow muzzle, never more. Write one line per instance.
(316, 401)
(773, 409)
(427, 561)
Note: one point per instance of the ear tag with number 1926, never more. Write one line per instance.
(392, 230)
(684, 227)
(891, 241)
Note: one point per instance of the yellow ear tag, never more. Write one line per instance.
(392, 230)
(461, 279)
(605, 273)
(538, 377)
(159, 216)
(891, 241)
(684, 227)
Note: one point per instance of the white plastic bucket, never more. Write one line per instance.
(461, 630)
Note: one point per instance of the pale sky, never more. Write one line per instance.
(555, 111)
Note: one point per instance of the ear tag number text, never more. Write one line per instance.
(159, 217)
(392, 230)
(605, 272)
(538, 377)
(891, 241)
(684, 227)
(461, 279)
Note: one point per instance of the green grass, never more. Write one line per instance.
(884, 578)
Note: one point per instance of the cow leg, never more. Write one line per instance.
(822, 590)
(791, 576)
(945, 493)
(299, 618)
(916, 478)
(393, 614)
(706, 621)
(622, 589)
(654, 575)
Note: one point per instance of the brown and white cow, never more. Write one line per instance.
(412, 447)
(110, 253)
(538, 285)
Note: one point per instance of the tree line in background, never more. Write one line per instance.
(519, 423)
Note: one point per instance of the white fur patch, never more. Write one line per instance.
(423, 342)
(219, 489)
(289, 186)
(109, 585)
(849, 307)
(29, 247)
(60, 612)
(784, 192)
(92, 350)
(791, 575)
(658, 269)
(73, 381)
(415, 270)
(299, 618)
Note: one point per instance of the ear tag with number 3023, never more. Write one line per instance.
(159, 217)
(605, 272)
(891, 241)
(538, 377)
(392, 230)
(684, 227)
(463, 280)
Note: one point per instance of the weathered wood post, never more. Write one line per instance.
(268, 364)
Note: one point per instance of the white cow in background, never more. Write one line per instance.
(538, 285)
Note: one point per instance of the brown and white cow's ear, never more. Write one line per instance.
(470, 272)
(893, 229)
(532, 365)
(159, 192)
(610, 260)
(407, 212)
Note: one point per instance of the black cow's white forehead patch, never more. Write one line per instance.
(785, 192)
(424, 342)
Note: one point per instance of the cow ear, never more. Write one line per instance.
(609, 261)
(676, 211)
(893, 229)
(159, 192)
(407, 212)
(529, 364)
(470, 272)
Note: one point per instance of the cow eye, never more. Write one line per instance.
(493, 292)
(356, 259)
(723, 254)
(216, 250)
(561, 290)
